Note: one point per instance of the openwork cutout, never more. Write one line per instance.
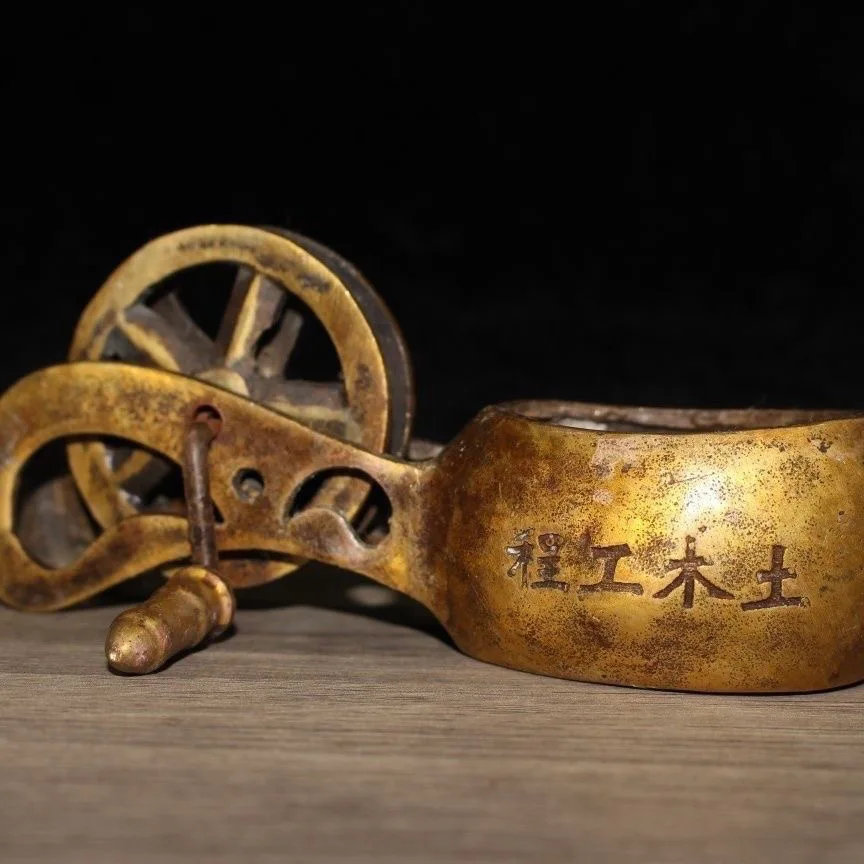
(371, 524)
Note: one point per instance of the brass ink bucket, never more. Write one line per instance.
(709, 551)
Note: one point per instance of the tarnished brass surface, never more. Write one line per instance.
(194, 604)
(697, 560)
(725, 561)
(129, 319)
(53, 523)
(693, 550)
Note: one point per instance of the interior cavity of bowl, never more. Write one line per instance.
(623, 418)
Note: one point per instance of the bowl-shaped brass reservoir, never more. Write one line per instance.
(687, 559)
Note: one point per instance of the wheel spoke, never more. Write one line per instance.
(254, 307)
(321, 405)
(273, 358)
(158, 340)
(329, 395)
(177, 316)
(131, 466)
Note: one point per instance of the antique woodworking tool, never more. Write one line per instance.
(692, 550)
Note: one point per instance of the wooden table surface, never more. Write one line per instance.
(338, 725)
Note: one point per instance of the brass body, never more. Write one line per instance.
(702, 557)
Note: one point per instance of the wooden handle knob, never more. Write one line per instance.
(193, 605)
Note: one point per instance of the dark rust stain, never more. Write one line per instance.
(314, 283)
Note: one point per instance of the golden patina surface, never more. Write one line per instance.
(715, 559)
(192, 606)
(133, 318)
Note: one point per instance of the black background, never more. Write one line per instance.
(660, 204)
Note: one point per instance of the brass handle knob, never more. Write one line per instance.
(194, 605)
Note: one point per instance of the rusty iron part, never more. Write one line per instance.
(131, 320)
(710, 551)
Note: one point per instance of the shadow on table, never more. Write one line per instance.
(313, 584)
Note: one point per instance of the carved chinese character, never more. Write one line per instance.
(523, 552)
(548, 564)
(688, 577)
(610, 556)
(776, 576)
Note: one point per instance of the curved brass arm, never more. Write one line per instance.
(152, 409)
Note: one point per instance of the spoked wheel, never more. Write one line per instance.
(134, 319)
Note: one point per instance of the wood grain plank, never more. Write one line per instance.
(328, 731)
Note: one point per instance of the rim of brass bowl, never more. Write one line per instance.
(652, 420)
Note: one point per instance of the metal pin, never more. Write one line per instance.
(196, 482)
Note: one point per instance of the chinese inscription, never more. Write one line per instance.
(523, 552)
(543, 571)
(775, 576)
(549, 563)
(610, 556)
(688, 577)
